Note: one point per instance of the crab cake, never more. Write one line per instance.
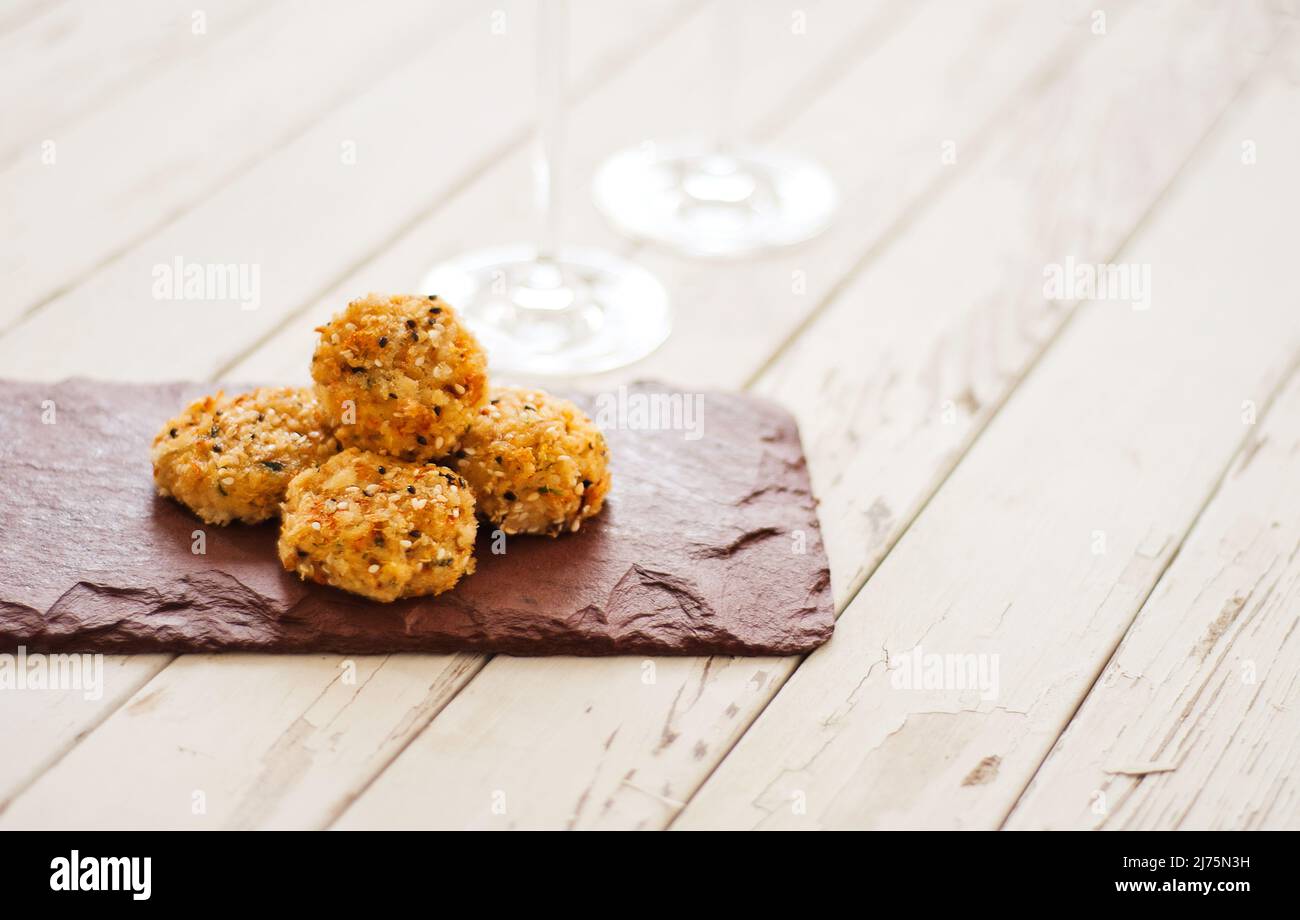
(231, 458)
(379, 527)
(536, 463)
(399, 375)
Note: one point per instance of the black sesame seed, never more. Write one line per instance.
(435, 310)
(586, 483)
(459, 455)
(422, 439)
(302, 554)
(433, 296)
(410, 324)
(274, 465)
(543, 490)
(357, 370)
(216, 448)
(414, 535)
(382, 471)
(437, 410)
(415, 336)
(411, 489)
(392, 395)
(510, 496)
(498, 459)
(173, 432)
(383, 340)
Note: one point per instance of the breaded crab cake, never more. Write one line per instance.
(536, 463)
(379, 527)
(231, 458)
(399, 375)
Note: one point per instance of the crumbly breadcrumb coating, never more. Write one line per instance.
(231, 458)
(399, 375)
(536, 463)
(379, 527)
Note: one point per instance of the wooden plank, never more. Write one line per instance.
(328, 761)
(607, 748)
(61, 64)
(1035, 555)
(1191, 724)
(51, 722)
(146, 154)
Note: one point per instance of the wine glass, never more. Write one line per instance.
(717, 198)
(550, 309)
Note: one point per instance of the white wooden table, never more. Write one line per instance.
(1095, 502)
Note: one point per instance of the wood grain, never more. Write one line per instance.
(1042, 545)
(1191, 724)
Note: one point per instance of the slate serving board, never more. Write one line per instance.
(707, 545)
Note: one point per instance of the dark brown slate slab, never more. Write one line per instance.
(695, 552)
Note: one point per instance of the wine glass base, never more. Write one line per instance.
(702, 202)
(585, 312)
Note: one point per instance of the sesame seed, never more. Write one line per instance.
(315, 525)
(373, 569)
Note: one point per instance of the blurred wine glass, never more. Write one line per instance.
(546, 308)
(717, 198)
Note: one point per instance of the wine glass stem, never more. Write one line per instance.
(552, 31)
(727, 23)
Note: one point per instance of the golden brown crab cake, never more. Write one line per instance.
(230, 458)
(536, 462)
(399, 375)
(379, 527)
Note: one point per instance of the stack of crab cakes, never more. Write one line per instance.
(382, 471)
